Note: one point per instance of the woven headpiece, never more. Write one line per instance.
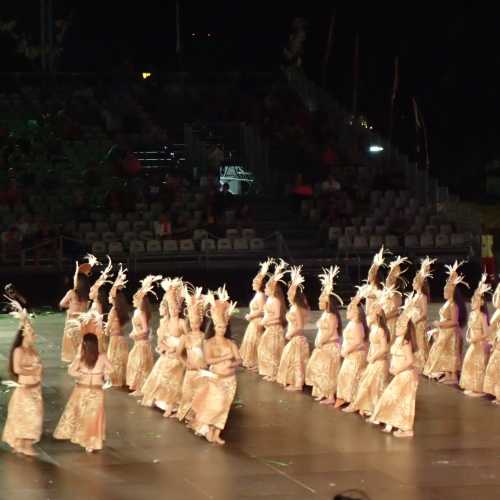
(221, 308)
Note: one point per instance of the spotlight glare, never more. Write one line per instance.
(376, 149)
(145, 75)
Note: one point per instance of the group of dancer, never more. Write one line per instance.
(370, 367)
(193, 379)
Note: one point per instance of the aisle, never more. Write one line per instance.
(280, 445)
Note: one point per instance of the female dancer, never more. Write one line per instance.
(272, 341)
(83, 421)
(163, 386)
(190, 349)
(100, 303)
(76, 301)
(392, 302)
(376, 376)
(476, 357)
(213, 398)
(353, 350)
(248, 348)
(23, 427)
(118, 317)
(420, 307)
(292, 368)
(492, 375)
(140, 360)
(445, 358)
(373, 282)
(396, 406)
(323, 367)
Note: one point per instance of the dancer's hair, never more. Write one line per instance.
(484, 310)
(210, 330)
(102, 299)
(411, 336)
(262, 285)
(90, 350)
(382, 323)
(426, 289)
(18, 342)
(122, 307)
(145, 307)
(278, 293)
(82, 288)
(458, 298)
(362, 320)
(332, 308)
(300, 299)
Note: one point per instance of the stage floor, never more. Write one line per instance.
(280, 445)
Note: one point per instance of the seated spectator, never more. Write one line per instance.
(163, 227)
(224, 199)
(330, 185)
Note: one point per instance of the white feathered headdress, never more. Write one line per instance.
(221, 308)
(18, 311)
(85, 268)
(327, 280)
(147, 285)
(377, 263)
(482, 287)
(395, 270)
(120, 281)
(454, 278)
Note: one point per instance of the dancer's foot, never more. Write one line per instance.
(327, 401)
(89, 450)
(29, 451)
(449, 379)
(387, 429)
(473, 394)
(402, 434)
(349, 409)
(496, 402)
(339, 403)
(373, 422)
(292, 388)
(136, 394)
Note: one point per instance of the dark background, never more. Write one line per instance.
(449, 58)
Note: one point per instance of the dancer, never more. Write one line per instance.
(140, 360)
(213, 399)
(392, 302)
(272, 341)
(476, 357)
(396, 406)
(420, 307)
(376, 376)
(324, 365)
(83, 421)
(118, 317)
(191, 345)
(248, 348)
(76, 301)
(353, 350)
(492, 375)
(100, 303)
(23, 427)
(445, 357)
(373, 282)
(163, 386)
(292, 368)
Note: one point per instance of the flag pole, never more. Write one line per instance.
(395, 86)
(178, 46)
(418, 126)
(355, 73)
(328, 50)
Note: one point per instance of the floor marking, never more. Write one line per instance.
(296, 481)
(198, 489)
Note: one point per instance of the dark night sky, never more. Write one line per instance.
(449, 55)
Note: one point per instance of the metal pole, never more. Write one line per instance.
(50, 30)
(43, 41)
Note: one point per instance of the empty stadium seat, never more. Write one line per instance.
(370, 221)
(427, 240)
(139, 225)
(442, 240)
(457, 240)
(391, 241)
(85, 227)
(129, 236)
(334, 233)
(257, 244)
(344, 243)
(153, 246)
(131, 216)
(240, 244)
(207, 245)
(445, 229)
(170, 246)
(102, 227)
(360, 242)
(224, 244)
(99, 248)
(186, 245)
(115, 248)
(350, 231)
(314, 215)
(109, 236)
(366, 230)
(230, 216)
(232, 233)
(356, 221)
(200, 234)
(137, 246)
(91, 236)
(376, 241)
(122, 226)
(248, 233)
(411, 241)
(380, 229)
(431, 229)
(146, 235)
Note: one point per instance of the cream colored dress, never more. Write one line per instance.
(421, 332)
(476, 357)
(117, 350)
(445, 353)
(323, 367)
(140, 359)
(248, 348)
(292, 368)
(492, 374)
(376, 376)
(391, 306)
(396, 406)
(25, 410)
(352, 367)
(72, 339)
(271, 344)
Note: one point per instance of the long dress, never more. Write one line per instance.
(445, 355)
(396, 406)
(117, 350)
(83, 421)
(253, 332)
(352, 367)
(421, 333)
(391, 307)
(194, 352)
(323, 367)
(292, 367)
(214, 395)
(71, 336)
(163, 386)
(376, 376)
(492, 375)
(99, 329)
(476, 357)
(25, 410)
(140, 359)
(270, 347)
